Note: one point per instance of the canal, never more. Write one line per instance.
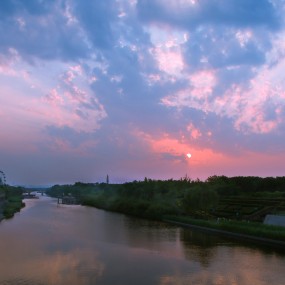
(55, 244)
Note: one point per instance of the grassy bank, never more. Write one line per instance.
(130, 205)
(229, 201)
(247, 228)
(166, 211)
(13, 201)
(13, 205)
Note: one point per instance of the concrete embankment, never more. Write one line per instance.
(231, 234)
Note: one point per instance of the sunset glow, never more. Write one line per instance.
(141, 88)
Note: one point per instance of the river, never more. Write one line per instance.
(75, 245)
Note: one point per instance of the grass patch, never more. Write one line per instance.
(13, 205)
(248, 228)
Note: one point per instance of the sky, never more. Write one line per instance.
(131, 88)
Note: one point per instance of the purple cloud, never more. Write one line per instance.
(130, 87)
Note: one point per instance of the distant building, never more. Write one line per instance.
(275, 220)
(68, 200)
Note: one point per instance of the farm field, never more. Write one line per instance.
(251, 209)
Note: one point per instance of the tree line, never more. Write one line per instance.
(155, 198)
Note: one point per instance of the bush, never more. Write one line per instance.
(200, 197)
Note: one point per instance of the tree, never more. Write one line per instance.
(200, 197)
(107, 179)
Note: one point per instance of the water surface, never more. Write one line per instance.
(50, 244)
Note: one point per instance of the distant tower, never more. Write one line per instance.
(107, 179)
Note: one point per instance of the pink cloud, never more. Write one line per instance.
(68, 102)
(203, 79)
(167, 49)
(205, 162)
(247, 106)
(8, 63)
(165, 144)
(197, 94)
(178, 6)
(19, 132)
(66, 112)
(152, 78)
(116, 78)
(72, 73)
(254, 103)
(243, 37)
(60, 145)
(202, 83)
(73, 103)
(194, 132)
(169, 61)
(54, 98)
(5, 68)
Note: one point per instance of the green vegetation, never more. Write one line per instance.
(200, 197)
(242, 227)
(148, 199)
(239, 203)
(11, 200)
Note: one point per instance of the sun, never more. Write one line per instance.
(189, 155)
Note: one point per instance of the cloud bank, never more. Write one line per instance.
(129, 87)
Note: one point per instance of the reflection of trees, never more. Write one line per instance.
(199, 246)
(149, 234)
(204, 247)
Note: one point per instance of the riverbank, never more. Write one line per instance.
(184, 201)
(254, 231)
(266, 234)
(91, 246)
(12, 206)
(11, 202)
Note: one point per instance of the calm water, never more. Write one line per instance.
(50, 244)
